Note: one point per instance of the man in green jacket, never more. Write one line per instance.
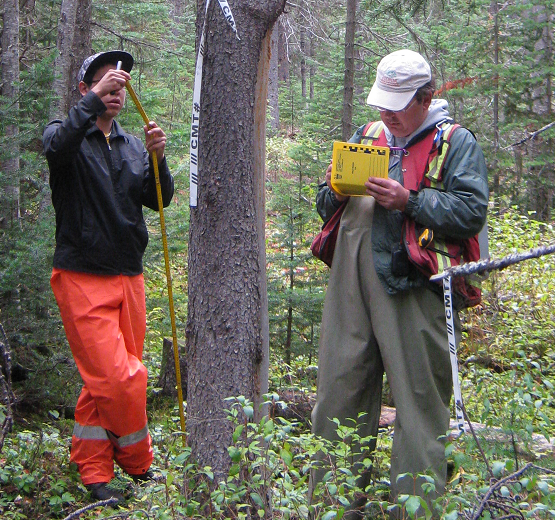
(384, 315)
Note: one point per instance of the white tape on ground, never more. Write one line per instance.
(194, 143)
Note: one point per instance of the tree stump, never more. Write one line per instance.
(298, 409)
(167, 379)
(7, 397)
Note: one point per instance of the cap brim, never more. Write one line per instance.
(393, 101)
(109, 57)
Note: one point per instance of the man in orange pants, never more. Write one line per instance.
(101, 177)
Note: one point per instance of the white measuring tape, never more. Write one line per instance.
(448, 302)
(194, 144)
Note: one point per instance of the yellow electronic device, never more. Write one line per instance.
(353, 163)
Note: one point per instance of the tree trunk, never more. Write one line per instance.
(227, 327)
(303, 61)
(519, 172)
(283, 54)
(81, 47)
(495, 162)
(62, 64)
(311, 68)
(167, 378)
(7, 398)
(542, 100)
(11, 211)
(177, 14)
(348, 83)
(273, 81)
(289, 336)
(74, 45)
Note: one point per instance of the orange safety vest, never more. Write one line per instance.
(430, 253)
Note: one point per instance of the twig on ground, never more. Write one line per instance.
(467, 419)
(491, 499)
(101, 503)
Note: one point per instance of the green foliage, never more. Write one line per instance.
(35, 466)
(517, 339)
(271, 462)
(294, 287)
(507, 357)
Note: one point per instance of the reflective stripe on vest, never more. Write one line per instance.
(444, 259)
(90, 433)
(372, 131)
(97, 433)
(436, 164)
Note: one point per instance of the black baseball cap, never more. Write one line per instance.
(94, 62)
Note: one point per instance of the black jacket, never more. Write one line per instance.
(98, 192)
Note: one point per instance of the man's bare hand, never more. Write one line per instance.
(155, 139)
(388, 193)
(111, 83)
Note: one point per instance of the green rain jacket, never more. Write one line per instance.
(458, 211)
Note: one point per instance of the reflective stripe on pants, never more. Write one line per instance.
(105, 321)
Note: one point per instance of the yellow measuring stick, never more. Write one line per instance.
(167, 261)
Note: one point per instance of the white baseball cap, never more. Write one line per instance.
(398, 76)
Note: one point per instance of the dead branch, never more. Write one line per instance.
(492, 500)
(531, 137)
(102, 503)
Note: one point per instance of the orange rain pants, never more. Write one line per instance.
(105, 322)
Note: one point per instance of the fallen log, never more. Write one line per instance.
(300, 404)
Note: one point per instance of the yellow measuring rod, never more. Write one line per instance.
(166, 258)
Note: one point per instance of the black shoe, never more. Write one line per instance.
(101, 491)
(143, 477)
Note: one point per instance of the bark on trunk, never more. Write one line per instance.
(303, 61)
(62, 64)
(348, 84)
(167, 379)
(81, 47)
(74, 45)
(227, 337)
(312, 68)
(273, 81)
(494, 9)
(7, 398)
(542, 101)
(11, 213)
(283, 54)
